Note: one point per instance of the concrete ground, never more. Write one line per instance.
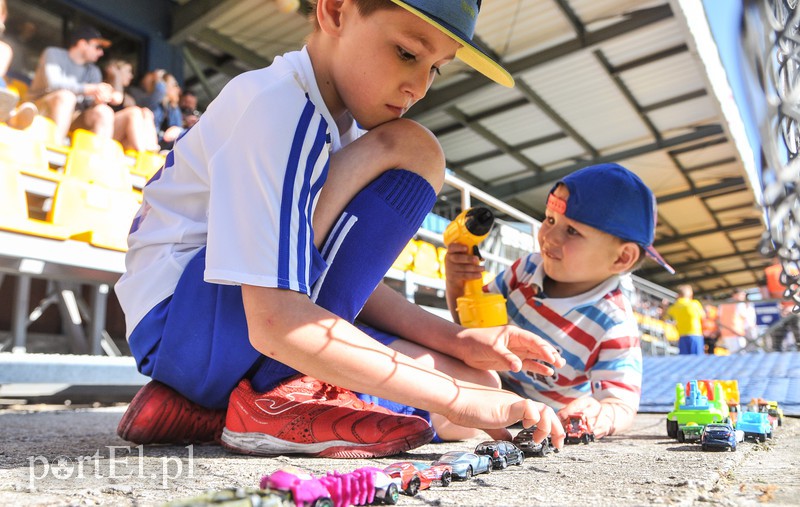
(73, 457)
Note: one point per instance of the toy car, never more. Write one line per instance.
(692, 406)
(502, 453)
(306, 490)
(524, 440)
(415, 476)
(755, 425)
(771, 408)
(363, 486)
(578, 429)
(465, 464)
(690, 432)
(240, 497)
(723, 436)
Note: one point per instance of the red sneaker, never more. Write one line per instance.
(160, 415)
(305, 416)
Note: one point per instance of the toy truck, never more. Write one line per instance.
(690, 432)
(755, 425)
(693, 407)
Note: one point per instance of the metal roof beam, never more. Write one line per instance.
(726, 184)
(688, 264)
(191, 18)
(436, 100)
(744, 224)
(236, 50)
(512, 188)
(721, 274)
(517, 147)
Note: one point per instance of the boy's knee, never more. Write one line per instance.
(413, 147)
(62, 98)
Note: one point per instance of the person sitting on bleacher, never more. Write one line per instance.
(159, 91)
(16, 116)
(67, 82)
(134, 126)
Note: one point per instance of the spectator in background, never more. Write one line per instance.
(710, 327)
(737, 321)
(68, 87)
(134, 126)
(188, 105)
(688, 315)
(159, 91)
(21, 116)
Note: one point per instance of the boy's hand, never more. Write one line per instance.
(494, 409)
(507, 348)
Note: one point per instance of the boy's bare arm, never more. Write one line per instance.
(288, 327)
(497, 348)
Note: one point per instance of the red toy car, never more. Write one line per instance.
(416, 476)
(578, 429)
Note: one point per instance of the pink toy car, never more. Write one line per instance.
(306, 490)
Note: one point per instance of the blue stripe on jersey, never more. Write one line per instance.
(602, 319)
(305, 199)
(619, 364)
(571, 359)
(287, 196)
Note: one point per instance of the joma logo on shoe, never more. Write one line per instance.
(275, 407)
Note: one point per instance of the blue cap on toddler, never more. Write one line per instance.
(612, 199)
(456, 19)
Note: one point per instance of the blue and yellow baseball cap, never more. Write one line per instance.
(612, 199)
(456, 19)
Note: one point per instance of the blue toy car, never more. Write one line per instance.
(465, 464)
(755, 425)
(720, 436)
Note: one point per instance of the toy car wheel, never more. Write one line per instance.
(322, 502)
(585, 439)
(413, 487)
(762, 438)
(468, 473)
(446, 479)
(681, 436)
(672, 429)
(392, 494)
(504, 464)
(733, 448)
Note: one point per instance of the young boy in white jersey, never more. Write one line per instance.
(599, 224)
(270, 229)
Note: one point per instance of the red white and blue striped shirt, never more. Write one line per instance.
(595, 332)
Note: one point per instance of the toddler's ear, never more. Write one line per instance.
(627, 257)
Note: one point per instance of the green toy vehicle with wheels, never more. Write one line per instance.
(691, 406)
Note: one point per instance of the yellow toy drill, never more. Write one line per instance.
(475, 308)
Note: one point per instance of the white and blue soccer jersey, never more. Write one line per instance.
(595, 332)
(243, 183)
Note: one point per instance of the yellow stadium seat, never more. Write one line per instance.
(405, 260)
(147, 164)
(44, 129)
(426, 261)
(14, 208)
(24, 153)
(97, 215)
(441, 252)
(98, 168)
(89, 141)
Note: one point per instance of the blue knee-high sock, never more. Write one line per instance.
(365, 241)
(368, 237)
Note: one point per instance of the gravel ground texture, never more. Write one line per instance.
(58, 456)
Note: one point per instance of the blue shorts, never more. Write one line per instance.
(196, 341)
(691, 344)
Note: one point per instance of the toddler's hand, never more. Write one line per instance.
(495, 409)
(461, 265)
(507, 348)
